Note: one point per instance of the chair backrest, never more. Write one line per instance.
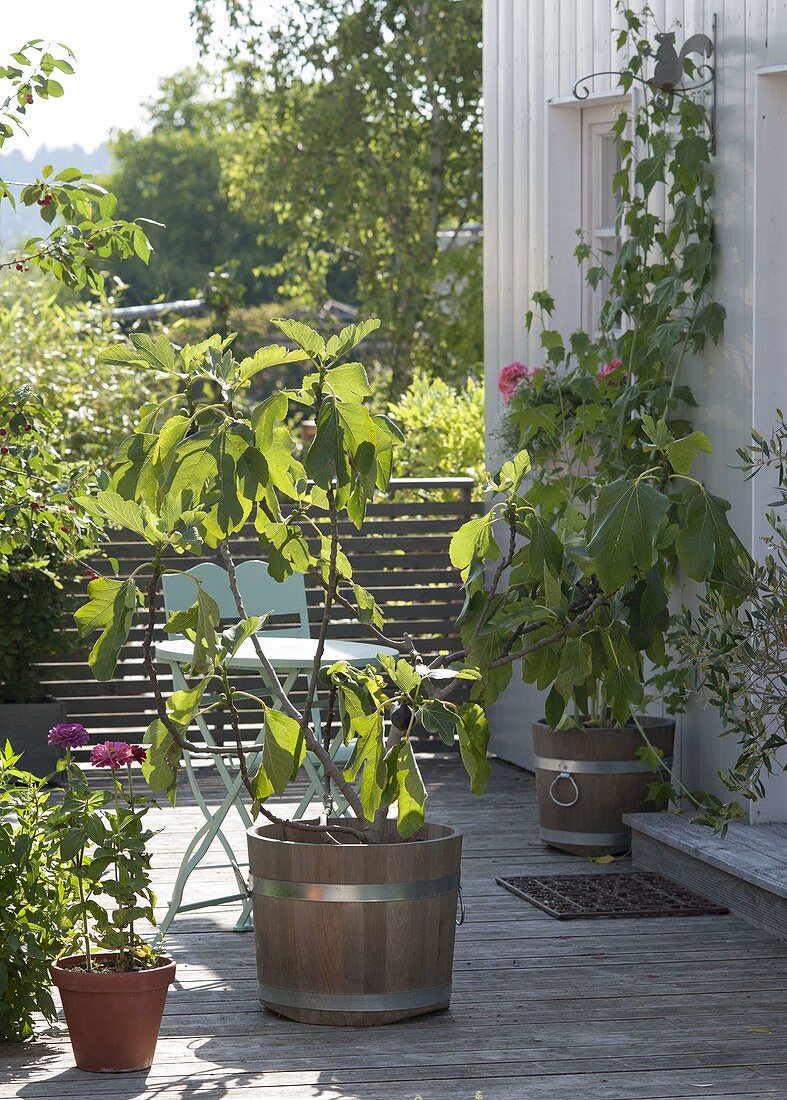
(262, 595)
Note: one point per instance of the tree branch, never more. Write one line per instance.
(313, 745)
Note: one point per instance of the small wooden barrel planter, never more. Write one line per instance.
(354, 934)
(587, 779)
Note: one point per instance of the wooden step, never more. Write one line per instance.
(745, 870)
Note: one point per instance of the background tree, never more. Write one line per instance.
(173, 172)
(359, 128)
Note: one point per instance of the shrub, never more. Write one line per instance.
(53, 346)
(443, 426)
(37, 897)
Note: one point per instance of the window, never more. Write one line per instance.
(599, 163)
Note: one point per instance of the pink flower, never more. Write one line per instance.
(610, 368)
(511, 378)
(69, 735)
(138, 754)
(112, 754)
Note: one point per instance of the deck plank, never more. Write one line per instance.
(656, 1009)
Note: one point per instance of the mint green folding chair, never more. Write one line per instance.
(278, 600)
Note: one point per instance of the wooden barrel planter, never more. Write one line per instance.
(587, 779)
(354, 934)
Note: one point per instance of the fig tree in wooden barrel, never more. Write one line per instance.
(352, 933)
(587, 778)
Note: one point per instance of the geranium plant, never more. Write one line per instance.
(614, 506)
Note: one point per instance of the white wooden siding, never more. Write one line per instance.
(534, 51)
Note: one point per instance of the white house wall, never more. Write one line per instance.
(534, 50)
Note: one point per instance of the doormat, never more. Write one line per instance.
(640, 894)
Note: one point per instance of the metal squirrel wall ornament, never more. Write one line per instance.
(669, 72)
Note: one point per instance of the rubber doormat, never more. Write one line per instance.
(640, 894)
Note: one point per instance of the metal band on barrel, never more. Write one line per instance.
(597, 767)
(356, 1002)
(567, 836)
(350, 892)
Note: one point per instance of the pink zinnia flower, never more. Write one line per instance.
(610, 368)
(68, 735)
(111, 754)
(511, 378)
(138, 754)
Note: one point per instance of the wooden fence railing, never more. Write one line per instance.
(401, 556)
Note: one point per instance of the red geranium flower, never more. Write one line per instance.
(511, 378)
(610, 368)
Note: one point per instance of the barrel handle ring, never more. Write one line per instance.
(572, 781)
(461, 918)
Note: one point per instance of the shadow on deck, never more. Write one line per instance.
(613, 1009)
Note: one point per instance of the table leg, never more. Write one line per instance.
(211, 830)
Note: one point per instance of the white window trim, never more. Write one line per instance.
(597, 123)
(564, 206)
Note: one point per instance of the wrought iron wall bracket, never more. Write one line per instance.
(669, 72)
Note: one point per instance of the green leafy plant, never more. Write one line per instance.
(737, 657)
(38, 895)
(443, 428)
(44, 534)
(613, 506)
(401, 81)
(103, 841)
(41, 528)
(191, 479)
(81, 215)
(579, 600)
(52, 346)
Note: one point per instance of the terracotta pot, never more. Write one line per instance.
(354, 934)
(113, 1018)
(588, 778)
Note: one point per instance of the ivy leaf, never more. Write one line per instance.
(628, 515)
(649, 172)
(110, 609)
(692, 151)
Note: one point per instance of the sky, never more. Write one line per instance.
(122, 47)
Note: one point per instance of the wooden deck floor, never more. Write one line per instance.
(689, 1007)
